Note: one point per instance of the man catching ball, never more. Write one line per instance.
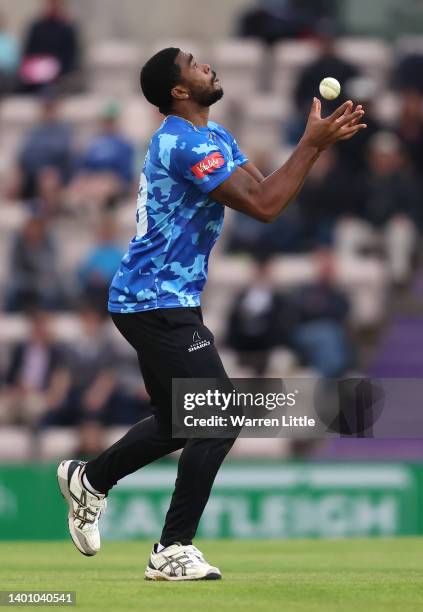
(193, 169)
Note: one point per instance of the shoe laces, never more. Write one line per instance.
(193, 550)
(95, 510)
(89, 513)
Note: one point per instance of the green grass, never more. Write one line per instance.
(312, 576)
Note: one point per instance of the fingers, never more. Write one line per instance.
(316, 108)
(349, 118)
(344, 108)
(357, 119)
(349, 131)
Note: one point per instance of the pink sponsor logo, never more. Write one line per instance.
(208, 164)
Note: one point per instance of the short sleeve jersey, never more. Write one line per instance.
(178, 222)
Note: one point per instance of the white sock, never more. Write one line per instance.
(88, 486)
(160, 547)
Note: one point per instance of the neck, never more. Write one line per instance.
(198, 117)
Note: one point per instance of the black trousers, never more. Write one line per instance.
(162, 338)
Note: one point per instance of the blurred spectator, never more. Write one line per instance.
(391, 209)
(34, 272)
(284, 235)
(48, 201)
(101, 263)
(320, 338)
(408, 74)
(273, 20)
(352, 153)
(410, 128)
(260, 319)
(93, 399)
(392, 203)
(35, 379)
(105, 172)
(47, 145)
(330, 192)
(9, 58)
(328, 63)
(258, 239)
(51, 48)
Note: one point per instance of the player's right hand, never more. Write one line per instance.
(342, 124)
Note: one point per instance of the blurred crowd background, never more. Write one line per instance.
(333, 288)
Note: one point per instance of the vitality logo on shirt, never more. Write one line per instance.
(208, 164)
(197, 342)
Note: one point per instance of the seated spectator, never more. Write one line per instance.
(285, 235)
(410, 128)
(93, 399)
(48, 200)
(105, 172)
(326, 63)
(408, 74)
(329, 193)
(35, 380)
(34, 274)
(47, 145)
(260, 319)
(272, 20)
(50, 50)
(9, 58)
(391, 205)
(101, 263)
(353, 153)
(320, 338)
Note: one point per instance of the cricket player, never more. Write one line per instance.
(193, 169)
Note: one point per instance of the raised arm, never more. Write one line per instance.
(264, 200)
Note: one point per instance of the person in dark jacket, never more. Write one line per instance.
(51, 48)
(321, 338)
(35, 379)
(260, 319)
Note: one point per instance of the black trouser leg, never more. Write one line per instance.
(198, 465)
(162, 339)
(142, 444)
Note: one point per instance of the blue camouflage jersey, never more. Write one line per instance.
(177, 222)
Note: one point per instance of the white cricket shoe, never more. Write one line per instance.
(178, 562)
(85, 508)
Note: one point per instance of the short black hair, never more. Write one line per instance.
(158, 76)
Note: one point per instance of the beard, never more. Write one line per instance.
(208, 97)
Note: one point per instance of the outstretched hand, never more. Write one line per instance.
(342, 124)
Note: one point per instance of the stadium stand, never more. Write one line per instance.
(258, 109)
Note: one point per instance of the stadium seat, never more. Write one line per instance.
(263, 119)
(290, 58)
(82, 112)
(113, 67)
(139, 119)
(366, 281)
(196, 47)
(372, 56)
(410, 44)
(237, 63)
(57, 442)
(15, 444)
(17, 115)
(265, 448)
(387, 108)
(291, 270)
